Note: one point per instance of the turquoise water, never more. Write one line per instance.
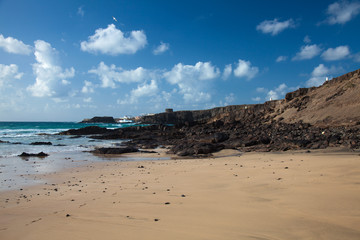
(16, 137)
(65, 151)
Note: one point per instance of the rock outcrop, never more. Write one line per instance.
(119, 150)
(90, 130)
(226, 114)
(314, 118)
(40, 154)
(99, 120)
(335, 103)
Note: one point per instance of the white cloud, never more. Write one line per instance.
(81, 11)
(227, 72)
(229, 99)
(341, 12)
(256, 99)
(319, 75)
(244, 69)
(8, 73)
(307, 52)
(112, 41)
(278, 92)
(143, 90)
(12, 45)
(281, 58)
(272, 95)
(163, 47)
(88, 87)
(111, 74)
(337, 53)
(50, 77)
(307, 39)
(192, 80)
(274, 27)
(87, 100)
(261, 90)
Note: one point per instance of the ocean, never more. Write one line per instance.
(16, 137)
(64, 151)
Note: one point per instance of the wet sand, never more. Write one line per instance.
(294, 195)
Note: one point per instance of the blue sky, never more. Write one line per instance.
(68, 60)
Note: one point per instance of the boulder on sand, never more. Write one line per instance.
(40, 154)
(111, 150)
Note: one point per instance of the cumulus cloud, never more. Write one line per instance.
(307, 52)
(278, 92)
(112, 41)
(275, 26)
(111, 74)
(163, 47)
(143, 90)
(227, 72)
(50, 77)
(261, 90)
(342, 12)
(12, 45)
(244, 69)
(281, 58)
(319, 75)
(8, 73)
(229, 99)
(307, 39)
(88, 87)
(256, 99)
(337, 53)
(192, 80)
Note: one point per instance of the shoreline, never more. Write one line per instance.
(286, 195)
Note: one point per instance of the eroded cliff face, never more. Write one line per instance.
(335, 103)
(225, 114)
(308, 118)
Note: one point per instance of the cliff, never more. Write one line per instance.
(226, 114)
(335, 103)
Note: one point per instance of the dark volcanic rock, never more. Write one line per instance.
(115, 150)
(196, 148)
(272, 126)
(220, 137)
(85, 131)
(40, 154)
(41, 143)
(99, 120)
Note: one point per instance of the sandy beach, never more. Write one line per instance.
(292, 195)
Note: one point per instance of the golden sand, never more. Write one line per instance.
(252, 196)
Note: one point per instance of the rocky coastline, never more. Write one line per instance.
(308, 118)
(202, 140)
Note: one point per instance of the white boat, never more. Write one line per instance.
(125, 119)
